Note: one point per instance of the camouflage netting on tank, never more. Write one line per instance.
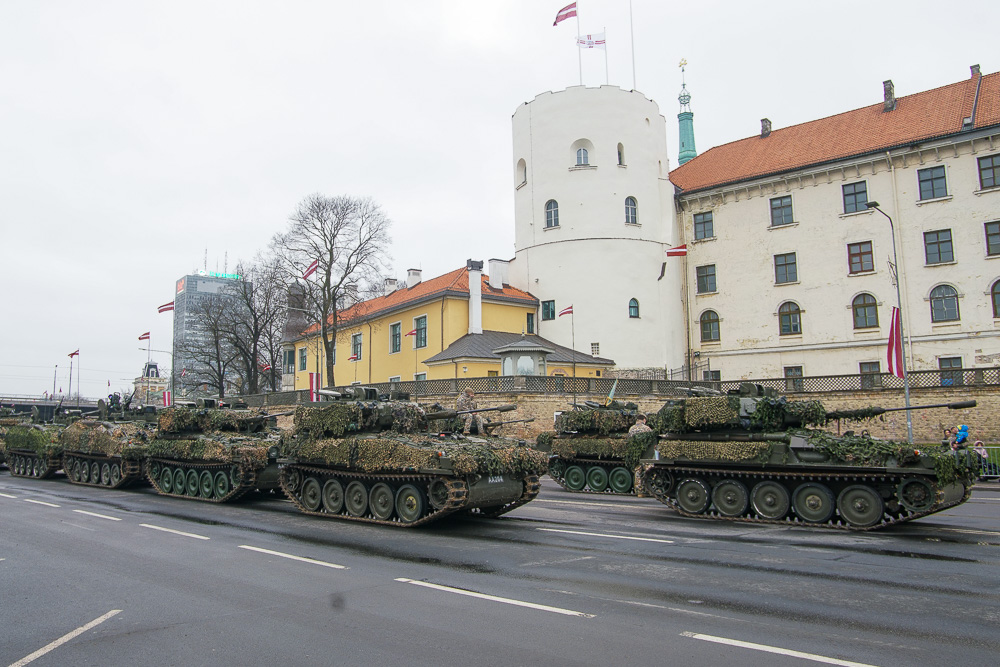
(867, 452)
(185, 420)
(603, 421)
(126, 440)
(44, 441)
(626, 450)
(544, 439)
(338, 419)
(770, 413)
(214, 450)
(386, 454)
(705, 450)
(712, 411)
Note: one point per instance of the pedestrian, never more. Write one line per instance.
(961, 437)
(467, 401)
(639, 426)
(990, 469)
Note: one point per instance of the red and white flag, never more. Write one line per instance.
(165, 307)
(311, 269)
(591, 41)
(314, 387)
(411, 333)
(265, 367)
(168, 399)
(677, 251)
(566, 311)
(569, 11)
(74, 354)
(895, 352)
(353, 357)
(144, 336)
(184, 372)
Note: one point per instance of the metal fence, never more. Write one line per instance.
(991, 464)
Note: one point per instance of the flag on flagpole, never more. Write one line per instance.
(596, 41)
(168, 399)
(166, 307)
(677, 251)
(894, 354)
(74, 354)
(411, 333)
(144, 336)
(184, 372)
(566, 311)
(569, 11)
(311, 269)
(353, 357)
(314, 387)
(265, 367)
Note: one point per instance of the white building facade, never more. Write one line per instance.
(594, 215)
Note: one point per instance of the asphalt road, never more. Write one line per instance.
(568, 579)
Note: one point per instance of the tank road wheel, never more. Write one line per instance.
(191, 483)
(179, 481)
(382, 501)
(437, 494)
(556, 468)
(106, 474)
(769, 500)
(312, 494)
(36, 468)
(333, 496)
(693, 495)
(222, 484)
(85, 472)
(95, 473)
(915, 494)
(76, 470)
(620, 480)
(658, 481)
(167, 480)
(206, 485)
(116, 475)
(356, 499)
(597, 478)
(860, 506)
(236, 475)
(409, 503)
(730, 498)
(294, 479)
(154, 469)
(813, 503)
(574, 478)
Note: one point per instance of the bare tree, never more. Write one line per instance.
(348, 237)
(210, 352)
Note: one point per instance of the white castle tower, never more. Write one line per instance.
(594, 215)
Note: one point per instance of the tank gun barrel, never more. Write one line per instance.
(728, 437)
(867, 413)
(451, 414)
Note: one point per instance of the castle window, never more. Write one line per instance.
(621, 156)
(548, 310)
(932, 183)
(865, 311)
(989, 171)
(785, 268)
(855, 197)
(995, 297)
(705, 279)
(944, 304)
(631, 211)
(551, 213)
(790, 318)
(582, 157)
(781, 211)
(859, 257)
(633, 308)
(703, 226)
(709, 326)
(937, 247)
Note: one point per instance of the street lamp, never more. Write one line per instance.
(899, 306)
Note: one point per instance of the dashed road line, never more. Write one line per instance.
(576, 502)
(65, 638)
(775, 649)
(99, 516)
(175, 532)
(617, 537)
(7, 495)
(303, 559)
(494, 598)
(41, 502)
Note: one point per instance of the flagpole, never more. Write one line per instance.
(631, 39)
(572, 328)
(606, 80)
(579, 53)
(71, 374)
(54, 374)
(149, 342)
(78, 374)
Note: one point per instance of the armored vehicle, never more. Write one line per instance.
(106, 454)
(32, 450)
(591, 451)
(8, 418)
(212, 455)
(750, 457)
(362, 458)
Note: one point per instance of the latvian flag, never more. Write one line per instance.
(311, 269)
(144, 336)
(591, 41)
(165, 307)
(412, 332)
(566, 311)
(895, 353)
(314, 387)
(566, 12)
(678, 251)
(168, 399)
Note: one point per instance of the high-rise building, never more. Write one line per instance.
(192, 292)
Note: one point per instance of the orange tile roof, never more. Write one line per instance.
(918, 117)
(453, 283)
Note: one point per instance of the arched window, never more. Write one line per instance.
(995, 294)
(522, 172)
(865, 311)
(551, 213)
(790, 318)
(631, 211)
(621, 155)
(633, 308)
(944, 304)
(709, 326)
(582, 157)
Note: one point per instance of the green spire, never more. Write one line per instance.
(685, 122)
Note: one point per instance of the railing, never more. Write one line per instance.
(991, 464)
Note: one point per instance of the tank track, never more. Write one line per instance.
(113, 472)
(457, 492)
(899, 514)
(532, 486)
(608, 466)
(27, 463)
(241, 479)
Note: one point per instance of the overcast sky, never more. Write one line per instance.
(134, 136)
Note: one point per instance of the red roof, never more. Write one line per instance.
(931, 114)
(455, 282)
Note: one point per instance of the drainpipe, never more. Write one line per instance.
(371, 350)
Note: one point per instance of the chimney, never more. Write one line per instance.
(890, 95)
(475, 296)
(765, 128)
(498, 273)
(351, 293)
(975, 71)
(390, 286)
(412, 277)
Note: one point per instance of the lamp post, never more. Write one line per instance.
(899, 306)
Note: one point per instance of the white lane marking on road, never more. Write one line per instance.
(291, 557)
(99, 516)
(494, 598)
(617, 537)
(65, 638)
(7, 495)
(558, 561)
(40, 502)
(774, 649)
(576, 502)
(971, 532)
(175, 532)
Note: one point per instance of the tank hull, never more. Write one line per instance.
(591, 475)
(109, 472)
(29, 463)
